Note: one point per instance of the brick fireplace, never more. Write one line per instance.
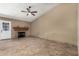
(21, 34)
(21, 31)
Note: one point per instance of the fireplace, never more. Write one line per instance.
(21, 34)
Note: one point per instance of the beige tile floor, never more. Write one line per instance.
(36, 47)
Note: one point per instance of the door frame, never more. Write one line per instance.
(4, 33)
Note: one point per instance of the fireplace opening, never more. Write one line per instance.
(21, 34)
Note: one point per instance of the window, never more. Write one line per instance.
(5, 26)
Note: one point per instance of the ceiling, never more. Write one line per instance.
(13, 10)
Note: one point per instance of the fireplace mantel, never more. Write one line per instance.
(19, 29)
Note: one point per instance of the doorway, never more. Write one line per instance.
(5, 29)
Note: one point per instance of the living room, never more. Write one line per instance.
(42, 29)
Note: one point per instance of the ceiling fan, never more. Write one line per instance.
(28, 11)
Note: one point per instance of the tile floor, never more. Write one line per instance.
(36, 47)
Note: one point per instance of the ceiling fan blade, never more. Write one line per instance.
(28, 9)
(27, 14)
(34, 12)
(23, 11)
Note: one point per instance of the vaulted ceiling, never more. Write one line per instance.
(13, 10)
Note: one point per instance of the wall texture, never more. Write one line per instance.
(78, 29)
(15, 23)
(58, 24)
